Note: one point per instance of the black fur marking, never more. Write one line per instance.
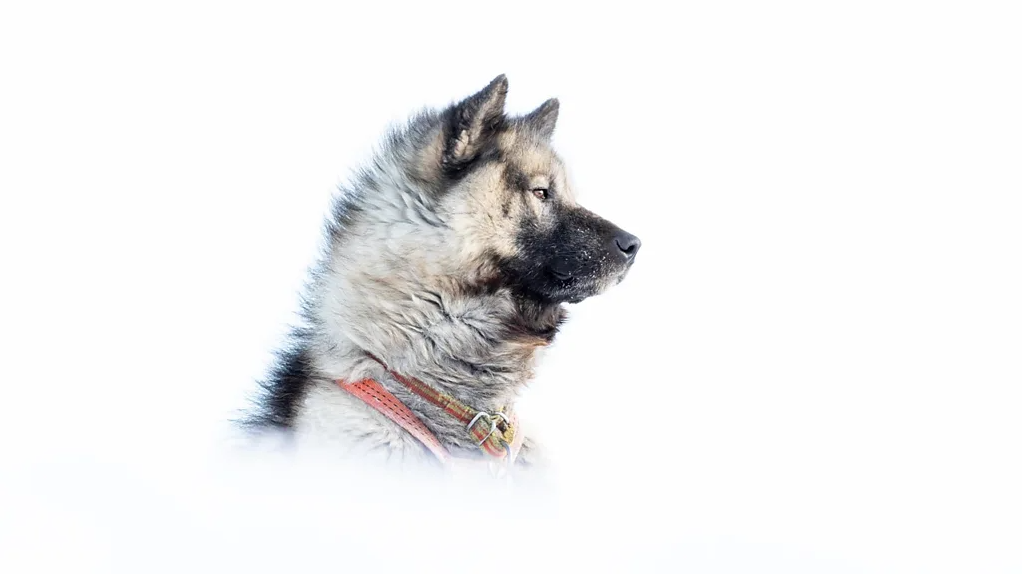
(565, 259)
(284, 388)
(515, 178)
(539, 321)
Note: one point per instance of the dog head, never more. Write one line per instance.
(509, 202)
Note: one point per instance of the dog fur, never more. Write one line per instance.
(450, 257)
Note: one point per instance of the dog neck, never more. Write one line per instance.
(473, 338)
(476, 344)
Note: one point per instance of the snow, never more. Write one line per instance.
(813, 366)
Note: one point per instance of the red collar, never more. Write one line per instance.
(497, 434)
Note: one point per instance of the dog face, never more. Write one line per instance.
(511, 204)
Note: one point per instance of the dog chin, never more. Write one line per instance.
(621, 276)
(598, 287)
(581, 293)
(559, 296)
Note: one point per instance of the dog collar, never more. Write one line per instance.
(496, 434)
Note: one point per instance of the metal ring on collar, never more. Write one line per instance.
(478, 416)
(493, 425)
(482, 414)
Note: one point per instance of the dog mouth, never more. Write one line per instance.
(562, 276)
(574, 288)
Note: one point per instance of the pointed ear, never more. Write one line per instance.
(544, 118)
(472, 121)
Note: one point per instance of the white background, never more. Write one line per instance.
(815, 365)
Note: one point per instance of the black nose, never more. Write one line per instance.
(627, 243)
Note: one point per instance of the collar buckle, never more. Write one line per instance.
(492, 419)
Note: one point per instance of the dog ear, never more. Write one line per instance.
(544, 118)
(472, 121)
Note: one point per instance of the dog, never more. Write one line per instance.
(450, 259)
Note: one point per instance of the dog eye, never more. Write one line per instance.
(541, 192)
